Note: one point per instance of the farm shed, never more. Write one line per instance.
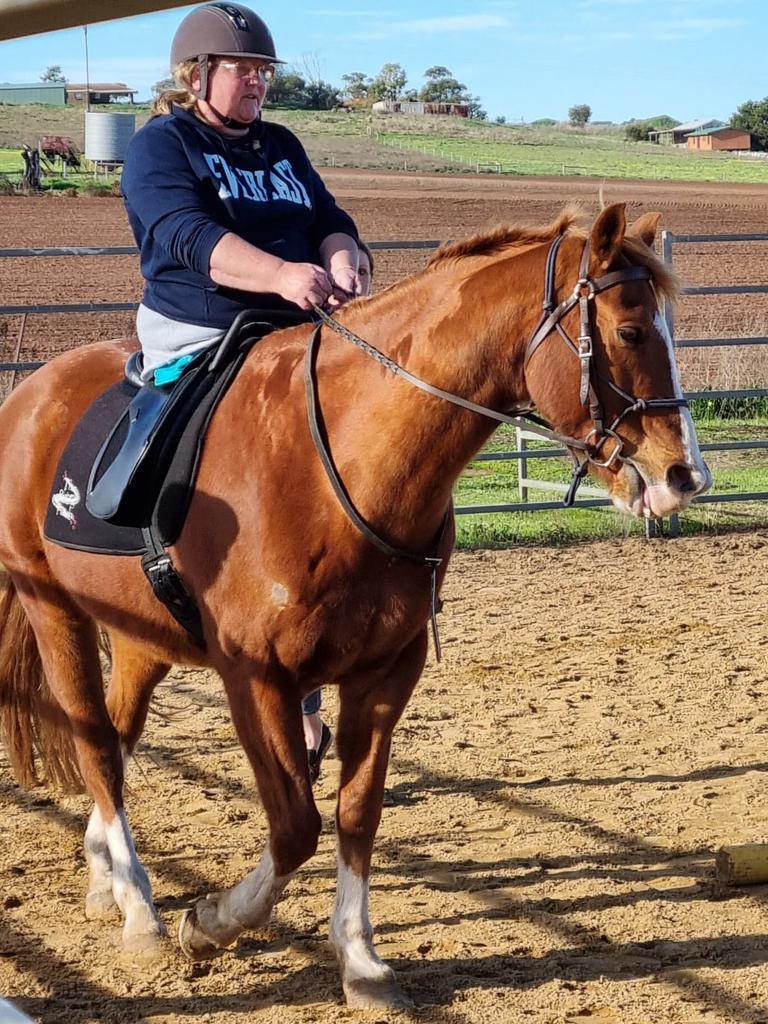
(678, 134)
(107, 92)
(719, 138)
(38, 92)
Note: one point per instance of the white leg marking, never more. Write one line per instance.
(99, 900)
(224, 916)
(351, 933)
(251, 901)
(131, 887)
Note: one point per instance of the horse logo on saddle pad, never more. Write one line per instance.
(66, 501)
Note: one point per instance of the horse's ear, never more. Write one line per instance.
(645, 228)
(607, 233)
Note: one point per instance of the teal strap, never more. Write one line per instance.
(169, 373)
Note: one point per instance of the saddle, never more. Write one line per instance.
(134, 457)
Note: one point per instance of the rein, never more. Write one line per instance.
(317, 429)
(583, 293)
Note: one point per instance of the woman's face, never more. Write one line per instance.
(237, 86)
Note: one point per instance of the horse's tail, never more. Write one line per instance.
(33, 726)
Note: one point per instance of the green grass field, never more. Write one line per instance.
(11, 162)
(496, 483)
(460, 145)
(605, 156)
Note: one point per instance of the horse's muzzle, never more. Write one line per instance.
(656, 499)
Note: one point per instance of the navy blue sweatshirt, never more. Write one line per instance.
(185, 186)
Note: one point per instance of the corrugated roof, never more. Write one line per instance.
(32, 85)
(98, 87)
(713, 131)
(691, 126)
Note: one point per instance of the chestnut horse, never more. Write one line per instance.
(293, 593)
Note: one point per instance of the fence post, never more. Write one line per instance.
(667, 240)
(522, 471)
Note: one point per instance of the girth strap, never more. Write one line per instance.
(169, 588)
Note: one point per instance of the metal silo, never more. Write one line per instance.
(107, 136)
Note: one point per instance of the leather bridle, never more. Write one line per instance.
(551, 319)
(583, 294)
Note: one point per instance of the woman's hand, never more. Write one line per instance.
(303, 283)
(339, 254)
(346, 285)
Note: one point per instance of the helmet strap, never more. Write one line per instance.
(229, 122)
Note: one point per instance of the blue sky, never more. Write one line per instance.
(525, 59)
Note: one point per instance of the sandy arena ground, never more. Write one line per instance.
(558, 784)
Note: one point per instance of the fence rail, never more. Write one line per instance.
(591, 498)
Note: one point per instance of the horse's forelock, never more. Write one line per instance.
(665, 282)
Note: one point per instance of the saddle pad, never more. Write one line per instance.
(68, 522)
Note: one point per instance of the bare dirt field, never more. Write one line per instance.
(558, 784)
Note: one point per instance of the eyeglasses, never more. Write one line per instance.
(244, 68)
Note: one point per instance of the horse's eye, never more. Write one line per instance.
(630, 335)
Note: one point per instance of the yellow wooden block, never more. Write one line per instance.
(746, 864)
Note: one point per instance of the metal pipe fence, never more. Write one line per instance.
(591, 496)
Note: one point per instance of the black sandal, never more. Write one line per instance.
(315, 757)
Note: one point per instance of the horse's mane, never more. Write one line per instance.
(569, 221)
(505, 237)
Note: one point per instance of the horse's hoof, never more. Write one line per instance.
(375, 994)
(146, 945)
(99, 906)
(195, 944)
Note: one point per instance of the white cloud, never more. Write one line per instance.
(455, 23)
(700, 24)
(460, 23)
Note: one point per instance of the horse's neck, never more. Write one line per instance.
(399, 450)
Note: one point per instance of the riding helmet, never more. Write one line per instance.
(224, 29)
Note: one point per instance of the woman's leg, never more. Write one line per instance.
(312, 722)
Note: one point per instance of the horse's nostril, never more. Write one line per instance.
(680, 479)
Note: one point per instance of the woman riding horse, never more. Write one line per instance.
(315, 544)
(228, 212)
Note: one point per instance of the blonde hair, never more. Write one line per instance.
(182, 96)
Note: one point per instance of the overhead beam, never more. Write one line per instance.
(20, 18)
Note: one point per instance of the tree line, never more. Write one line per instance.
(302, 85)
